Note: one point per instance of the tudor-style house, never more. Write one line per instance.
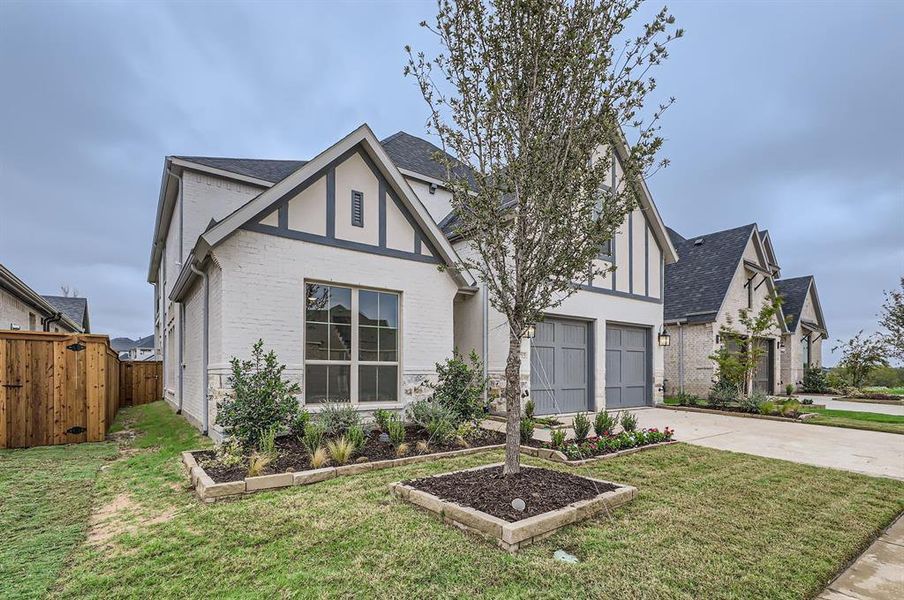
(334, 263)
(806, 328)
(717, 275)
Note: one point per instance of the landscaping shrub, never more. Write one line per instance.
(402, 449)
(609, 444)
(460, 386)
(628, 421)
(789, 389)
(340, 450)
(440, 429)
(319, 458)
(723, 393)
(229, 454)
(299, 423)
(261, 399)
(395, 428)
(466, 431)
(558, 438)
(581, 425)
(338, 418)
(527, 429)
(685, 399)
(815, 380)
(313, 437)
(767, 407)
(257, 462)
(529, 408)
(356, 436)
(837, 379)
(807, 401)
(790, 408)
(603, 423)
(752, 402)
(381, 418)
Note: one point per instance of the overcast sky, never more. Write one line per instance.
(788, 115)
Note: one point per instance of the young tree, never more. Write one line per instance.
(860, 355)
(892, 319)
(742, 359)
(532, 96)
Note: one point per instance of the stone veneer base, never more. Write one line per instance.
(513, 536)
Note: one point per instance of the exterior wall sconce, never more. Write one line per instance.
(664, 338)
(531, 332)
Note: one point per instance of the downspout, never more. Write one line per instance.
(46, 321)
(205, 408)
(181, 366)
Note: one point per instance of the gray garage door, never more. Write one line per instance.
(558, 366)
(627, 367)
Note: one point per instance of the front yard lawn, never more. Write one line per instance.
(857, 420)
(706, 524)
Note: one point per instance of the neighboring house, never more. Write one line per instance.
(140, 349)
(806, 327)
(76, 309)
(24, 309)
(335, 264)
(716, 276)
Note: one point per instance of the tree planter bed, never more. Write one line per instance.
(737, 413)
(210, 490)
(479, 501)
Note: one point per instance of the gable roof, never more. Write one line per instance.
(411, 153)
(696, 285)
(41, 304)
(794, 292)
(362, 138)
(268, 170)
(76, 309)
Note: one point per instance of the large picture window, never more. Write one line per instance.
(351, 345)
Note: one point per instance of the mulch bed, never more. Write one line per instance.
(487, 490)
(292, 455)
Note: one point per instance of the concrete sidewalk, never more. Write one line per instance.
(879, 572)
(873, 407)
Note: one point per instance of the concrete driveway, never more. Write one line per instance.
(868, 452)
(874, 407)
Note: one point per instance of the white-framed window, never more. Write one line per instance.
(351, 350)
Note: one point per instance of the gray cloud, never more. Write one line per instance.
(788, 115)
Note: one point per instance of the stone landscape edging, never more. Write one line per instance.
(713, 411)
(209, 491)
(513, 536)
(592, 459)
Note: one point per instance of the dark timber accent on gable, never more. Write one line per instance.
(607, 291)
(631, 252)
(330, 239)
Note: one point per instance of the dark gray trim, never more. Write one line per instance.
(413, 224)
(382, 211)
(661, 275)
(614, 259)
(650, 341)
(357, 221)
(417, 243)
(282, 215)
(337, 243)
(646, 258)
(331, 203)
(631, 252)
(607, 291)
(591, 366)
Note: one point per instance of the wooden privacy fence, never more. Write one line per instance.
(140, 382)
(58, 388)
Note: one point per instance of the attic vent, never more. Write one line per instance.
(698, 242)
(357, 209)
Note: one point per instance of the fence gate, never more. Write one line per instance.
(141, 382)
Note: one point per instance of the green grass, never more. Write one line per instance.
(857, 420)
(896, 391)
(706, 523)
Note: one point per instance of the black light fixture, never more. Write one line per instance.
(664, 338)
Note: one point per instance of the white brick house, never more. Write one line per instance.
(335, 264)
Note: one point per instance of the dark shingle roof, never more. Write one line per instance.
(268, 170)
(794, 293)
(122, 344)
(696, 285)
(412, 153)
(145, 342)
(75, 309)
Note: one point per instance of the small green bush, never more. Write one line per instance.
(685, 399)
(261, 399)
(441, 430)
(529, 407)
(767, 407)
(789, 389)
(338, 418)
(603, 423)
(267, 443)
(381, 418)
(752, 402)
(581, 425)
(313, 437)
(341, 450)
(628, 421)
(723, 393)
(395, 428)
(558, 438)
(815, 380)
(299, 423)
(789, 408)
(527, 429)
(460, 386)
(356, 436)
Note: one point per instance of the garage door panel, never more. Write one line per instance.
(627, 367)
(559, 358)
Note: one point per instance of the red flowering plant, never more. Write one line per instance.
(610, 443)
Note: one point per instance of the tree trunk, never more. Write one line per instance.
(513, 407)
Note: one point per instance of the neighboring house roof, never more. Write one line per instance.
(122, 344)
(145, 342)
(74, 308)
(411, 153)
(362, 138)
(696, 285)
(268, 170)
(794, 291)
(39, 303)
